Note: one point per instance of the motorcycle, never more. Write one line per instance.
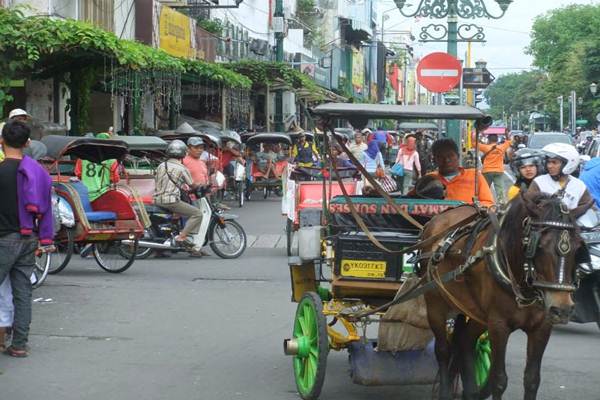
(587, 296)
(219, 230)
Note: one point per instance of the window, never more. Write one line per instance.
(99, 13)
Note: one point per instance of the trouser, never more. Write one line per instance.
(405, 182)
(496, 179)
(187, 210)
(17, 260)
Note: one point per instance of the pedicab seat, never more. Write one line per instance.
(92, 216)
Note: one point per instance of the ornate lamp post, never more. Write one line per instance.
(452, 9)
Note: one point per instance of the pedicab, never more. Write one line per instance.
(100, 225)
(235, 171)
(267, 163)
(343, 281)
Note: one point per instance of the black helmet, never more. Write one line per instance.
(176, 149)
(524, 157)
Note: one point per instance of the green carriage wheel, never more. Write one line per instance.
(483, 360)
(310, 331)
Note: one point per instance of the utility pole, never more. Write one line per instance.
(573, 118)
(561, 103)
(279, 35)
(453, 126)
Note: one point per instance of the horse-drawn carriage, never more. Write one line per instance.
(417, 267)
(266, 162)
(99, 225)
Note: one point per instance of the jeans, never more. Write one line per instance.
(497, 179)
(17, 260)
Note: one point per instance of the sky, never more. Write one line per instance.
(506, 38)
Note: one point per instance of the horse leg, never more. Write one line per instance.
(498, 333)
(536, 345)
(437, 321)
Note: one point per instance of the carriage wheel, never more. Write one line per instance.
(483, 360)
(64, 250)
(40, 271)
(109, 258)
(310, 331)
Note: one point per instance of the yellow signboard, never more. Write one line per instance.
(175, 35)
(363, 268)
(358, 69)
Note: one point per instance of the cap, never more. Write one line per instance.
(366, 130)
(195, 141)
(17, 112)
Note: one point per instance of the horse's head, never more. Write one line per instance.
(550, 239)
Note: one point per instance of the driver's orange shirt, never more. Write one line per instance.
(462, 187)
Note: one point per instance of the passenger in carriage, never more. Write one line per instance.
(97, 177)
(305, 154)
(459, 182)
(340, 160)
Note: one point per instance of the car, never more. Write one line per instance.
(538, 140)
(593, 150)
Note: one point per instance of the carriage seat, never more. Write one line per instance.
(92, 216)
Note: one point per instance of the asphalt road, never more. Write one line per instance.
(185, 329)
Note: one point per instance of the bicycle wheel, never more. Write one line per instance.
(64, 250)
(40, 272)
(227, 240)
(109, 258)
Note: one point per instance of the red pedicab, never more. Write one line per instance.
(101, 224)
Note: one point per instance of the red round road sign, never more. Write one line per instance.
(439, 72)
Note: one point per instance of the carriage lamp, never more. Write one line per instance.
(593, 88)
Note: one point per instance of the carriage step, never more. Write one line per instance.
(370, 367)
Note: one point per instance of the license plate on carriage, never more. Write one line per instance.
(363, 268)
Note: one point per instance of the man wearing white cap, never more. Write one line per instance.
(18, 114)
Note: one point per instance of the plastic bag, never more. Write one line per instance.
(219, 179)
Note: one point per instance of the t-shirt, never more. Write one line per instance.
(226, 158)
(9, 213)
(357, 150)
(494, 160)
(197, 168)
(462, 187)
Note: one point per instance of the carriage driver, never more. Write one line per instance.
(305, 153)
(459, 182)
(562, 160)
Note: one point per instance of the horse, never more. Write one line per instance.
(519, 273)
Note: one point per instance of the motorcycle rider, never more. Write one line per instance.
(172, 177)
(526, 165)
(561, 161)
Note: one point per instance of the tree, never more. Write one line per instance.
(517, 93)
(564, 44)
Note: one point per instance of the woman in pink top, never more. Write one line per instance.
(409, 158)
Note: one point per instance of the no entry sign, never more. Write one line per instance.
(439, 72)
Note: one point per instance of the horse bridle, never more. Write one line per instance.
(532, 233)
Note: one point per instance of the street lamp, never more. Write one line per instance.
(593, 88)
(453, 9)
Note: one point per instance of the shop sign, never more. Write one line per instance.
(175, 33)
(358, 70)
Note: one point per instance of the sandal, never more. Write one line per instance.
(18, 353)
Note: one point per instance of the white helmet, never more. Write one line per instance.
(567, 153)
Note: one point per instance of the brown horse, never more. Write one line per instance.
(522, 277)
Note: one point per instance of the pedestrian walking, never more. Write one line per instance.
(493, 165)
(408, 158)
(26, 225)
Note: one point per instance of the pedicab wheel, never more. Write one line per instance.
(40, 271)
(109, 258)
(227, 240)
(310, 332)
(64, 250)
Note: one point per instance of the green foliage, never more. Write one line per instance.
(81, 82)
(306, 12)
(214, 26)
(565, 46)
(31, 44)
(262, 73)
